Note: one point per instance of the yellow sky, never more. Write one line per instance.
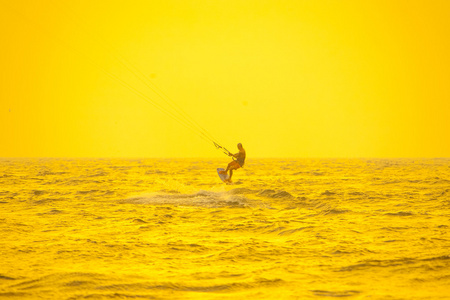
(285, 78)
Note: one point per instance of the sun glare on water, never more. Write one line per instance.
(170, 229)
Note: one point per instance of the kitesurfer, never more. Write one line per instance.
(236, 163)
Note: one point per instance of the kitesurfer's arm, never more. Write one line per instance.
(235, 155)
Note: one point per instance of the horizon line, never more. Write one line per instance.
(211, 157)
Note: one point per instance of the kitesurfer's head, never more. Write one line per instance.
(239, 146)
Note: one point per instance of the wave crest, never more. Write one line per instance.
(201, 198)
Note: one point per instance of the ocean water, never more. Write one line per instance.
(170, 229)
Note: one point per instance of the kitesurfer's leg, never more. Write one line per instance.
(230, 165)
(224, 172)
(234, 166)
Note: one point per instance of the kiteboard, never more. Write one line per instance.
(223, 177)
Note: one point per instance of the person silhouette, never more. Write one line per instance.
(236, 163)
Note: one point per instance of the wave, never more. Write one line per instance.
(400, 214)
(323, 293)
(50, 173)
(238, 197)
(95, 285)
(148, 286)
(4, 277)
(48, 200)
(401, 262)
(275, 194)
(201, 198)
(265, 193)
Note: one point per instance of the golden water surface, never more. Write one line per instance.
(170, 229)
